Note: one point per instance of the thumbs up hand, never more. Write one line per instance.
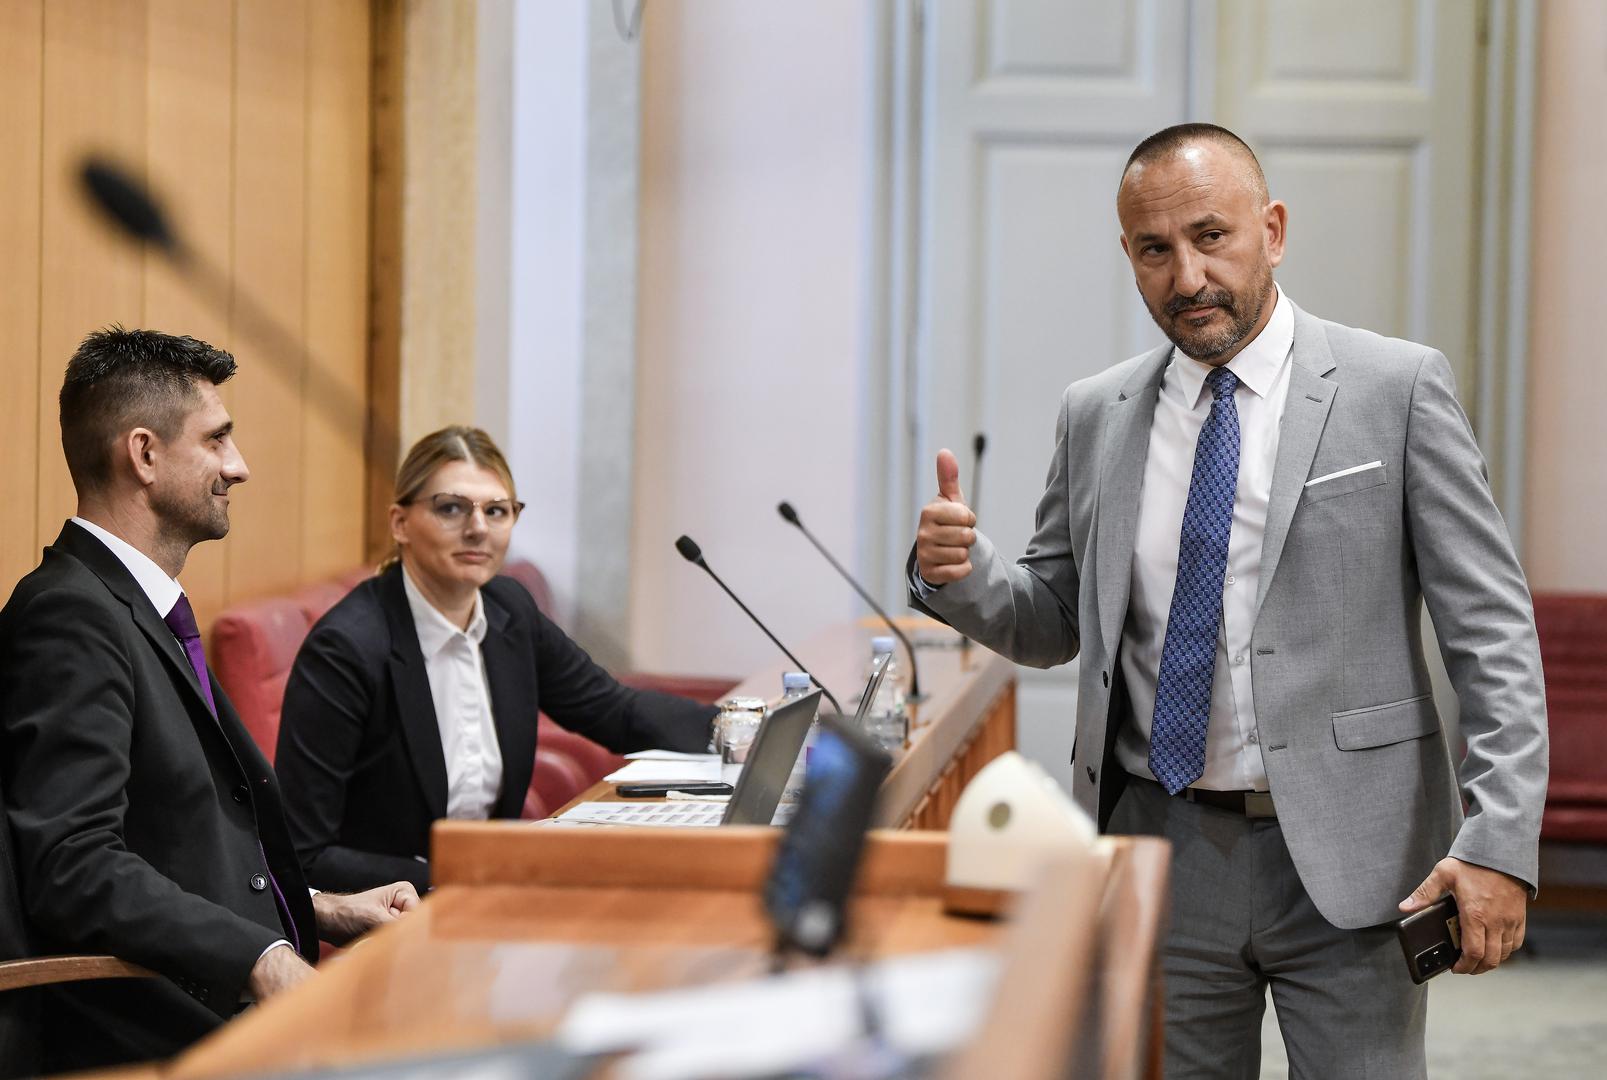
(947, 529)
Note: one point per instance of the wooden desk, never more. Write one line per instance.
(525, 920)
(966, 719)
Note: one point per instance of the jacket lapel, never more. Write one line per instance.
(1305, 413)
(1123, 452)
(410, 682)
(511, 672)
(106, 566)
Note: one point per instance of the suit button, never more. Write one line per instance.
(258, 883)
(241, 794)
(1092, 776)
(1104, 677)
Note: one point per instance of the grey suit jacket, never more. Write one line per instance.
(1355, 753)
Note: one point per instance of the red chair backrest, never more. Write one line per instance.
(1573, 648)
(555, 778)
(253, 648)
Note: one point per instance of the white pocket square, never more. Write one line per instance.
(1344, 472)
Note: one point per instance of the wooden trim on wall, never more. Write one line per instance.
(385, 272)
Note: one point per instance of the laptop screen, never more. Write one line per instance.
(770, 760)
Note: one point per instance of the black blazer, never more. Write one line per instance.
(360, 751)
(140, 821)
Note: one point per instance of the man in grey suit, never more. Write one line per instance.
(1237, 537)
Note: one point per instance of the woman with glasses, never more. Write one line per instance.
(415, 697)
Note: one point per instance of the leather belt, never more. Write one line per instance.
(1251, 804)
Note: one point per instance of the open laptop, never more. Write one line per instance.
(760, 784)
(758, 789)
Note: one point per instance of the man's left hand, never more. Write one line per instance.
(1491, 907)
(342, 917)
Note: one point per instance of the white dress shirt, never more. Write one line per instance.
(1232, 742)
(462, 698)
(163, 592)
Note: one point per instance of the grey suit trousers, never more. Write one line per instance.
(1241, 921)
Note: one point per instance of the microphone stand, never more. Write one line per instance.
(694, 555)
(790, 516)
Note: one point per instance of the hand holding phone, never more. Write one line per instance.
(1431, 939)
(659, 790)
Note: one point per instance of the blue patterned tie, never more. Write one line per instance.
(1188, 658)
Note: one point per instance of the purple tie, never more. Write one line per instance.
(181, 620)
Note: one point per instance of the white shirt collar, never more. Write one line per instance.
(1257, 365)
(435, 631)
(162, 591)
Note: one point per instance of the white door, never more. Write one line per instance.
(1032, 107)
(1362, 113)
(1365, 114)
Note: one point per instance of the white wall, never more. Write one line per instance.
(546, 159)
(756, 143)
(1567, 496)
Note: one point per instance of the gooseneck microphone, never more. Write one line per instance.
(134, 212)
(694, 555)
(790, 516)
(978, 444)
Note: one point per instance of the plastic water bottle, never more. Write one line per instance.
(887, 720)
(794, 685)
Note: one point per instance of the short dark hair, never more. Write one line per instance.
(121, 379)
(1170, 140)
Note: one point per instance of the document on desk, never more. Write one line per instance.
(926, 1004)
(704, 769)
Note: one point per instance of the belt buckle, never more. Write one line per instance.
(1258, 804)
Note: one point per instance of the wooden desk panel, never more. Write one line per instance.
(506, 944)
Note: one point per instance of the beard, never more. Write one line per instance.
(192, 518)
(1207, 343)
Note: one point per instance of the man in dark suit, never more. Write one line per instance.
(144, 821)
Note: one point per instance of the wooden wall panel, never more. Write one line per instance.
(189, 131)
(337, 283)
(94, 99)
(22, 62)
(270, 260)
(251, 120)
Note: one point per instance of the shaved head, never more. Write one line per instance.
(1202, 237)
(1178, 139)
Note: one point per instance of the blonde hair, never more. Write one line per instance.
(456, 443)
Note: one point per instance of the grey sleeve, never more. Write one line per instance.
(1484, 619)
(1025, 610)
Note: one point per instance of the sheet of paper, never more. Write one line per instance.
(669, 755)
(660, 770)
(926, 1004)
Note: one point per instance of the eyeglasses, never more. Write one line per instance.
(453, 511)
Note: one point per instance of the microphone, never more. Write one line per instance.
(132, 210)
(790, 516)
(694, 555)
(978, 444)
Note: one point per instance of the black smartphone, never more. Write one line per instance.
(807, 892)
(1431, 939)
(658, 791)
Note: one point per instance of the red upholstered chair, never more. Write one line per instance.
(1573, 648)
(527, 574)
(316, 599)
(595, 759)
(253, 648)
(555, 778)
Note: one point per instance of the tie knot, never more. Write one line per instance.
(181, 620)
(1222, 382)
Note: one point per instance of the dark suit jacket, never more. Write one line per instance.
(360, 751)
(140, 821)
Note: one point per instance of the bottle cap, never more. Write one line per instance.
(881, 644)
(794, 680)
